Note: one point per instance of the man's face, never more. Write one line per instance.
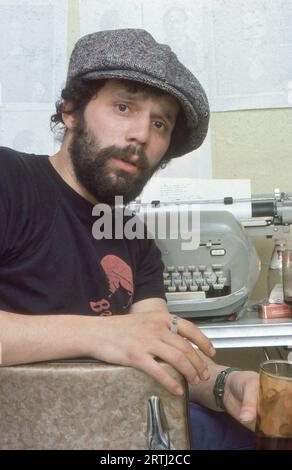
(119, 141)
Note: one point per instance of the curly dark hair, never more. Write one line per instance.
(79, 91)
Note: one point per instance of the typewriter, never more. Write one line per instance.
(216, 278)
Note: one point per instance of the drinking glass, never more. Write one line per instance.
(274, 413)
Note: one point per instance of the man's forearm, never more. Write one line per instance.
(32, 338)
(134, 339)
(203, 392)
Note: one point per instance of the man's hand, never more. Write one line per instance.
(240, 396)
(137, 339)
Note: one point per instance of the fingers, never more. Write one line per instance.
(143, 337)
(190, 331)
(176, 349)
(240, 397)
(182, 350)
(249, 402)
(181, 362)
(152, 368)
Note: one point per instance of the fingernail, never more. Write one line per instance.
(196, 380)
(179, 391)
(212, 351)
(205, 374)
(246, 416)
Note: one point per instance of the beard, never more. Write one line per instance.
(90, 164)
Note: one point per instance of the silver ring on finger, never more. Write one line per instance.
(173, 324)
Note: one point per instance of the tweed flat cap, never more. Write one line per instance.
(133, 54)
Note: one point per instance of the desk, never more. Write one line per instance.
(248, 332)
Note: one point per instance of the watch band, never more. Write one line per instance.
(218, 390)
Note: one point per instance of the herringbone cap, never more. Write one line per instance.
(133, 54)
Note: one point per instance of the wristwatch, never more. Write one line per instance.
(218, 390)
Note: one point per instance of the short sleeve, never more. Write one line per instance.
(18, 202)
(7, 190)
(149, 275)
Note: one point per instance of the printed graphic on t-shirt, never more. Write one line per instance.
(120, 284)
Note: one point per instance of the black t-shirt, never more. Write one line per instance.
(49, 260)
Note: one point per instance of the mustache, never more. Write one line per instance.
(125, 153)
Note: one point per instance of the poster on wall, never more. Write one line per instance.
(252, 54)
(33, 55)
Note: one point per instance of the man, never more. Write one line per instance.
(128, 106)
